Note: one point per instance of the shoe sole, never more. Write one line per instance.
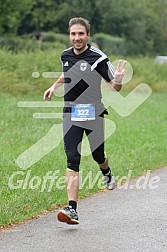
(62, 217)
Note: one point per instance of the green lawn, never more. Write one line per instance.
(138, 144)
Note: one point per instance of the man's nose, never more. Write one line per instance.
(77, 37)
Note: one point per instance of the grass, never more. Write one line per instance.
(138, 144)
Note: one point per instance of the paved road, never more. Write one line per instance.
(131, 220)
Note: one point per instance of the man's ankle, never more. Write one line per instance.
(107, 172)
(73, 204)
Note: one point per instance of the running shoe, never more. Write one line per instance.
(109, 185)
(68, 215)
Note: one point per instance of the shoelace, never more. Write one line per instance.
(70, 209)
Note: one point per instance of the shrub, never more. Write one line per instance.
(28, 44)
(18, 44)
(110, 44)
(56, 37)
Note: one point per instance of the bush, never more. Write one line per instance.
(56, 37)
(28, 44)
(18, 44)
(110, 44)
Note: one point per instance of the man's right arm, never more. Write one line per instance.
(48, 93)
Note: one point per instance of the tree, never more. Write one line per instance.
(54, 15)
(11, 14)
(142, 24)
(139, 22)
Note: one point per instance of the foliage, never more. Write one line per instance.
(56, 37)
(17, 68)
(12, 13)
(110, 44)
(17, 44)
(142, 24)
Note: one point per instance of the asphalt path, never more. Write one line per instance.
(129, 220)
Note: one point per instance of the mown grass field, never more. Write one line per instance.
(138, 144)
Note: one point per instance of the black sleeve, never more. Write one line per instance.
(106, 70)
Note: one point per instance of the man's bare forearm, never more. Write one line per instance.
(49, 92)
(59, 82)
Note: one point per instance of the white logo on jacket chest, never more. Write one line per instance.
(66, 64)
(83, 66)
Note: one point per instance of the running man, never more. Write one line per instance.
(84, 66)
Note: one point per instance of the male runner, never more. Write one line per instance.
(84, 66)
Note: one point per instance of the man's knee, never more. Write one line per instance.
(73, 161)
(100, 156)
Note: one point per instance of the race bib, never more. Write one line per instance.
(83, 112)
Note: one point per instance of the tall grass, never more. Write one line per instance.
(16, 71)
(146, 70)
